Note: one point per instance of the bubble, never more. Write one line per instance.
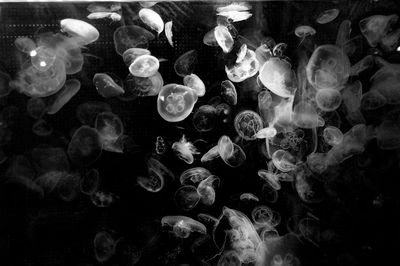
(194, 82)
(247, 123)
(106, 86)
(175, 102)
(87, 112)
(223, 38)
(327, 16)
(205, 118)
(228, 92)
(186, 197)
(185, 150)
(183, 226)
(144, 66)
(206, 189)
(332, 135)
(328, 68)
(186, 63)
(82, 30)
(374, 28)
(104, 246)
(131, 36)
(151, 19)
(62, 97)
(42, 128)
(102, 199)
(283, 160)
(328, 100)
(85, 146)
(193, 176)
(109, 126)
(168, 33)
(90, 182)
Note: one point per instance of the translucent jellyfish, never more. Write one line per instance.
(185, 150)
(106, 86)
(328, 68)
(25, 44)
(87, 112)
(151, 19)
(175, 102)
(142, 87)
(82, 30)
(372, 100)
(155, 165)
(42, 128)
(42, 58)
(144, 66)
(248, 197)
(104, 246)
(186, 63)
(365, 63)
(266, 133)
(307, 186)
(5, 89)
(278, 77)
(209, 39)
(85, 146)
(241, 53)
(205, 118)
(147, 4)
(223, 38)
(194, 82)
(229, 257)
(183, 226)
(327, 16)
(224, 112)
(168, 33)
(247, 68)
(228, 92)
(206, 189)
(210, 155)
(131, 36)
(352, 95)
(193, 176)
(332, 135)
(154, 182)
(68, 187)
(310, 229)
(385, 81)
(237, 158)
(102, 199)
(225, 147)
(269, 194)
(62, 97)
(186, 197)
(247, 123)
(328, 100)
(48, 159)
(262, 216)
(388, 135)
(89, 182)
(132, 53)
(305, 116)
(304, 31)
(271, 178)
(284, 161)
(317, 162)
(36, 107)
(374, 28)
(109, 126)
(263, 54)
(161, 146)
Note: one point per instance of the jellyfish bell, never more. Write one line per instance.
(185, 150)
(205, 118)
(193, 81)
(194, 175)
(83, 31)
(225, 147)
(168, 32)
(132, 53)
(187, 197)
(209, 39)
(151, 19)
(144, 66)
(305, 116)
(228, 92)
(245, 69)
(376, 27)
(332, 135)
(183, 226)
(42, 58)
(223, 38)
(328, 100)
(131, 36)
(186, 63)
(283, 160)
(247, 123)
(206, 189)
(327, 16)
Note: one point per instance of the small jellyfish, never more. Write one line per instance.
(187, 197)
(89, 182)
(210, 155)
(42, 58)
(266, 133)
(104, 246)
(206, 189)
(269, 193)
(154, 182)
(142, 87)
(151, 19)
(229, 257)
(332, 135)
(36, 107)
(372, 100)
(328, 100)
(247, 68)
(209, 39)
(62, 97)
(223, 38)
(144, 66)
(132, 53)
(376, 27)
(168, 33)
(194, 82)
(193, 176)
(283, 161)
(106, 86)
(131, 36)
(42, 128)
(228, 92)
(205, 118)
(183, 226)
(186, 63)
(87, 112)
(271, 178)
(185, 150)
(237, 158)
(175, 102)
(109, 126)
(155, 165)
(343, 35)
(247, 123)
(305, 116)
(248, 197)
(102, 199)
(327, 16)
(224, 112)
(82, 30)
(161, 146)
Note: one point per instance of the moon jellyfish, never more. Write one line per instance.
(283, 160)
(42, 58)
(205, 118)
(308, 188)
(82, 30)
(168, 33)
(317, 162)
(228, 92)
(223, 38)
(183, 226)
(206, 189)
(327, 16)
(36, 107)
(328, 68)
(269, 193)
(161, 147)
(144, 66)
(104, 246)
(225, 147)
(132, 53)
(90, 182)
(271, 178)
(303, 32)
(248, 197)
(194, 82)
(25, 44)
(62, 97)
(374, 28)
(332, 135)
(142, 87)
(247, 123)
(328, 100)
(388, 135)
(175, 102)
(209, 39)
(109, 127)
(262, 216)
(372, 100)
(186, 63)
(210, 155)
(310, 229)
(102, 199)
(242, 53)
(106, 86)
(365, 63)
(193, 176)
(85, 146)
(245, 69)
(305, 116)
(187, 197)
(151, 19)
(42, 128)
(87, 112)
(185, 150)
(131, 36)
(224, 112)
(154, 182)
(237, 158)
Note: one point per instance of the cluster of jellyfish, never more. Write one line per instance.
(295, 121)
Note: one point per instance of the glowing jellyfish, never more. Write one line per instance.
(102, 199)
(328, 100)
(237, 158)
(209, 39)
(183, 226)
(142, 87)
(210, 155)
(168, 32)
(271, 178)
(225, 147)
(206, 189)
(266, 133)
(376, 27)
(175, 102)
(151, 19)
(186, 63)
(263, 54)
(304, 31)
(36, 107)
(131, 36)
(262, 215)
(186, 197)
(235, 6)
(85, 146)
(193, 81)
(57, 101)
(42, 58)
(132, 53)
(328, 68)
(245, 69)
(372, 100)
(87, 112)
(155, 165)
(89, 182)
(388, 135)
(82, 30)
(161, 147)
(193, 176)
(327, 16)
(144, 66)
(242, 53)
(248, 197)
(332, 135)
(305, 116)
(147, 4)
(104, 246)
(106, 86)
(247, 123)
(205, 118)
(207, 218)
(109, 126)
(228, 92)
(185, 150)
(223, 38)
(25, 44)
(154, 182)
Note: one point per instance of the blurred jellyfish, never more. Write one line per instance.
(224, 112)
(187, 197)
(263, 54)
(209, 38)
(328, 100)
(271, 178)
(194, 82)
(5, 89)
(89, 182)
(175, 102)
(154, 182)
(62, 97)
(374, 28)
(168, 32)
(307, 186)
(131, 36)
(132, 53)
(151, 19)
(207, 218)
(247, 123)
(185, 150)
(206, 189)
(388, 135)
(109, 127)
(242, 53)
(283, 160)
(193, 176)
(144, 66)
(82, 30)
(142, 87)
(327, 16)
(269, 193)
(205, 118)
(225, 147)
(365, 63)
(42, 128)
(351, 96)
(186, 63)
(264, 98)
(85, 146)
(161, 147)
(310, 229)
(104, 246)
(102, 199)
(183, 226)
(156, 166)
(332, 135)
(317, 162)
(305, 116)
(245, 69)
(87, 112)
(343, 35)
(389, 43)
(262, 216)
(228, 92)
(223, 38)
(106, 86)
(248, 197)
(36, 107)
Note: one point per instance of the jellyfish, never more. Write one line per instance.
(132, 53)
(245, 69)
(237, 158)
(36, 107)
(106, 86)
(82, 30)
(385, 82)
(209, 39)
(305, 116)
(376, 27)
(206, 189)
(365, 63)
(317, 162)
(241, 53)
(247, 123)
(42, 128)
(142, 87)
(62, 97)
(328, 68)
(151, 19)
(147, 4)
(109, 126)
(389, 43)
(87, 112)
(154, 182)
(102, 199)
(175, 102)
(310, 229)
(372, 100)
(194, 82)
(225, 147)
(187, 197)
(156, 166)
(327, 16)
(131, 36)
(303, 32)
(186, 63)
(168, 33)
(248, 197)
(205, 118)
(283, 160)
(193, 176)
(308, 188)
(269, 193)
(161, 147)
(332, 135)
(42, 58)
(223, 38)
(144, 66)
(104, 246)
(271, 178)
(328, 100)
(89, 182)
(262, 216)
(228, 92)
(388, 135)
(343, 35)
(183, 226)
(229, 257)
(224, 112)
